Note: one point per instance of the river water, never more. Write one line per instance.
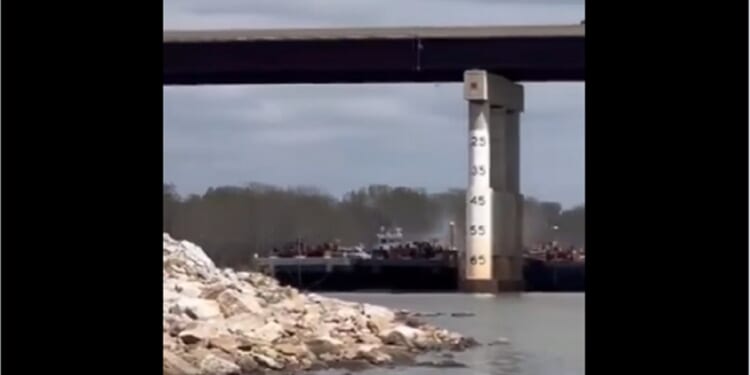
(545, 332)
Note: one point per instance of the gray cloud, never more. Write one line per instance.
(181, 14)
(340, 137)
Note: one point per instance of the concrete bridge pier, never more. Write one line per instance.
(493, 257)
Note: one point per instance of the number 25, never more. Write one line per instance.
(478, 141)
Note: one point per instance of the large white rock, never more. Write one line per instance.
(379, 325)
(269, 332)
(188, 256)
(188, 288)
(213, 289)
(296, 303)
(346, 312)
(175, 324)
(288, 322)
(170, 295)
(370, 353)
(245, 323)
(295, 350)
(169, 342)
(175, 365)
(225, 342)
(401, 335)
(232, 303)
(214, 365)
(202, 332)
(324, 345)
(199, 308)
(267, 361)
(379, 312)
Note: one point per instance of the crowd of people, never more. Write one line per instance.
(548, 251)
(552, 251)
(302, 248)
(406, 250)
(412, 250)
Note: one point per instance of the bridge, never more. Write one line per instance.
(489, 60)
(404, 54)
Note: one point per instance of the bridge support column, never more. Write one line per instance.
(493, 257)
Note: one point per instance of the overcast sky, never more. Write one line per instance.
(340, 137)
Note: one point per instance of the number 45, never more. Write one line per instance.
(478, 200)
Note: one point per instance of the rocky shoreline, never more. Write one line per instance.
(222, 322)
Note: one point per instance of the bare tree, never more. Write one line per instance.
(232, 223)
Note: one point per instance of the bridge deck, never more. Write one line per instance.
(480, 32)
(375, 55)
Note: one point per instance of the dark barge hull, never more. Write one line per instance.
(541, 276)
(410, 275)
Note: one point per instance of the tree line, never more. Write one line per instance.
(231, 222)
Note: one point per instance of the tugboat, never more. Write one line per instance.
(391, 245)
(388, 239)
